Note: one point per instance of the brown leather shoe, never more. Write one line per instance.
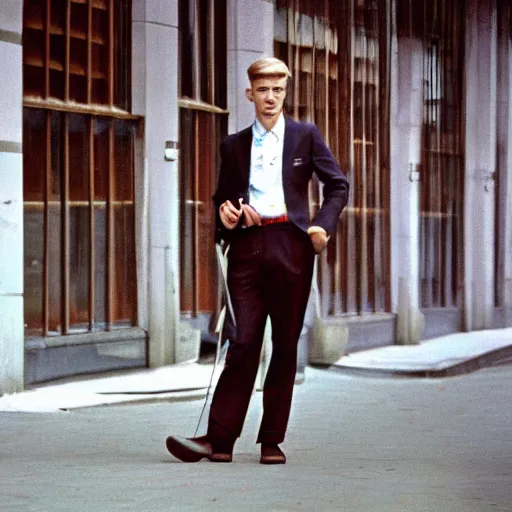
(193, 449)
(272, 454)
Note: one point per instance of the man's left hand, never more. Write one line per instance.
(319, 240)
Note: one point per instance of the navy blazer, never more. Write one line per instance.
(304, 152)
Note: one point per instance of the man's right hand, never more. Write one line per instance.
(252, 217)
(229, 215)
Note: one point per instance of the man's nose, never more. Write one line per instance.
(270, 95)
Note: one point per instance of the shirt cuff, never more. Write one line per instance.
(317, 229)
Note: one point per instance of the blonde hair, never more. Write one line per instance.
(268, 67)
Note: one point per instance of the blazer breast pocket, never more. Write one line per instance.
(301, 169)
(299, 161)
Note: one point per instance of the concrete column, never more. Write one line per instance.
(155, 96)
(480, 151)
(11, 199)
(506, 184)
(250, 37)
(405, 133)
(504, 164)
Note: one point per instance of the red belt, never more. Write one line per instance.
(273, 220)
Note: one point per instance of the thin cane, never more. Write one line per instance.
(221, 258)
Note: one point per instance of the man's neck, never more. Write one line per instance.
(268, 122)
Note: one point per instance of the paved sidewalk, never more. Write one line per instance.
(187, 381)
(446, 356)
(355, 444)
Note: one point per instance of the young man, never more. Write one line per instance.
(263, 212)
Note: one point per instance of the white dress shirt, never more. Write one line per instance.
(266, 194)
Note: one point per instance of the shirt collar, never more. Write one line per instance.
(277, 130)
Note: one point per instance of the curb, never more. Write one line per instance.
(168, 398)
(501, 356)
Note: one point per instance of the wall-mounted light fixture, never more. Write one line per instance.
(414, 172)
(171, 150)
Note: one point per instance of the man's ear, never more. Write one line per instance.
(248, 94)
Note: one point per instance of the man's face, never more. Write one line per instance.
(268, 95)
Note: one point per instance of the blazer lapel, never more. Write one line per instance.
(243, 153)
(290, 140)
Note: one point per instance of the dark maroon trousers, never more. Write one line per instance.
(269, 274)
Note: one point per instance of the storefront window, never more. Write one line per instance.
(442, 166)
(203, 124)
(338, 56)
(78, 141)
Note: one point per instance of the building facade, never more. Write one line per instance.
(113, 114)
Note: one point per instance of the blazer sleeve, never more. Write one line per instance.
(228, 187)
(336, 186)
(221, 192)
